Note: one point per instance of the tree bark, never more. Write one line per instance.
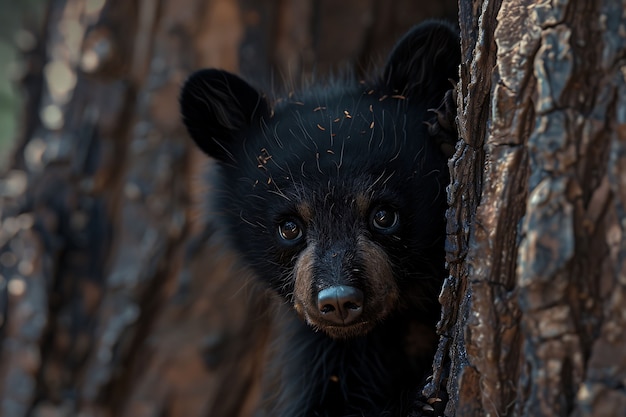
(536, 290)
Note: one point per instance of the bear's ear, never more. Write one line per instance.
(424, 61)
(216, 105)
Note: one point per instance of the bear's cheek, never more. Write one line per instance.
(303, 285)
(375, 286)
(380, 279)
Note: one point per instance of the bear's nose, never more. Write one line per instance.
(340, 304)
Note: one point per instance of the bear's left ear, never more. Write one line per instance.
(424, 61)
(216, 106)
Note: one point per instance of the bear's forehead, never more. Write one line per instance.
(342, 156)
(322, 121)
(329, 192)
(342, 139)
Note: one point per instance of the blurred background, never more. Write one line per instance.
(18, 23)
(116, 299)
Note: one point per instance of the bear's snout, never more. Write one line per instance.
(340, 304)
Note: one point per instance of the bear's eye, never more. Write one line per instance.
(290, 230)
(384, 219)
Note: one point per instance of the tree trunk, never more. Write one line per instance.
(534, 306)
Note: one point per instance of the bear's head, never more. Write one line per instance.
(335, 196)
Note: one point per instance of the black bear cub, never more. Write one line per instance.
(335, 197)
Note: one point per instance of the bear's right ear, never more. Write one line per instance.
(424, 61)
(216, 106)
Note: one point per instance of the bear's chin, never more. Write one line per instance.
(335, 331)
(347, 332)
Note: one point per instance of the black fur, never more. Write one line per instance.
(350, 177)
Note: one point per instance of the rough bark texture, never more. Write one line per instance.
(534, 306)
(112, 302)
